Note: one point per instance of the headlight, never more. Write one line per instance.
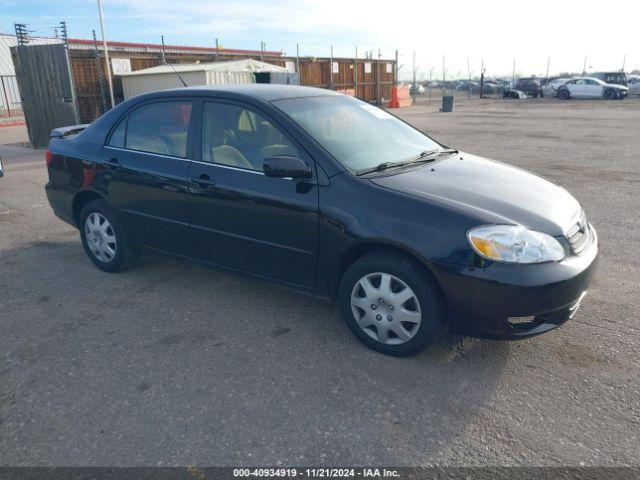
(513, 244)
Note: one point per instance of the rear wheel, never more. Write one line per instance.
(104, 238)
(391, 303)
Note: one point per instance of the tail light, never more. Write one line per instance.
(48, 156)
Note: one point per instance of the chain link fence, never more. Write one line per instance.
(10, 103)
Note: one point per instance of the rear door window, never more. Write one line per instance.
(160, 128)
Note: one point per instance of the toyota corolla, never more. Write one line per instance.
(330, 195)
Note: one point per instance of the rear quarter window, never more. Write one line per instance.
(118, 135)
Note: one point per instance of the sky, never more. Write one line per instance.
(468, 34)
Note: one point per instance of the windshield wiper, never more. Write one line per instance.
(424, 157)
(432, 153)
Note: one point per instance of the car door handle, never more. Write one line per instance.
(203, 181)
(114, 163)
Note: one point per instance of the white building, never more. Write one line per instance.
(164, 77)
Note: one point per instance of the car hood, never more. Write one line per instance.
(494, 191)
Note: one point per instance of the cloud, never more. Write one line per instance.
(494, 32)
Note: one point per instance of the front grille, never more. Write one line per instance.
(579, 235)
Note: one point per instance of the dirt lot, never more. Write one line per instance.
(171, 363)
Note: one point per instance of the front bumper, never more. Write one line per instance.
(509, 301)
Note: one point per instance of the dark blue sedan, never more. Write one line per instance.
(330, 195)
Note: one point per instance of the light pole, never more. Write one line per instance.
(414, 78)
(443, 75)
(430, 72)
(469, 75)
(106, 55)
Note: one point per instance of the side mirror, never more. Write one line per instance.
(282, 166)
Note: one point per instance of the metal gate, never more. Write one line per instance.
(10, 105)
(46, 88)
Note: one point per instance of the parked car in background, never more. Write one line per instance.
(419, 89)
(328, 194)
(491, 87)
(550, 88)
(512, 93)
(588, 87)
(614, 78)
(634, 87)
(466, 85)
(530, 86)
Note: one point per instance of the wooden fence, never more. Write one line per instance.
(46, 88)
(372, 82)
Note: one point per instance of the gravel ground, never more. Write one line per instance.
(173, 364)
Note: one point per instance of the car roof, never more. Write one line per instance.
(262, 91)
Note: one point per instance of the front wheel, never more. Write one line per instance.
(104, 238)
(610, 94)
(563, 94)
(391, 303)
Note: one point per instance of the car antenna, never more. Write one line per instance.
(164, 61)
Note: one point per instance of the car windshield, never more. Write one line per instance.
(358, 135)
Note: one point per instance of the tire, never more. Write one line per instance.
(610, 94)
(541, 94)
(104, 238)
(419, 303)
(535, 95)
(563, 94)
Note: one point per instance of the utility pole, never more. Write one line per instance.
(262, 48)
(443, 75)
(624, 60)
(430, 72)
(298, 58)
(395, 71)
(378, 80)
(164, 59)
(21, 33)
(513, 74)
(103, 98)
(413, 87)
(548, 63)
(481, 77)
(217, 50)
(63, 33)
(331, 69)
(355, 74)
(65, 39)
(584, 66)
(106, 55)
(469, 75)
